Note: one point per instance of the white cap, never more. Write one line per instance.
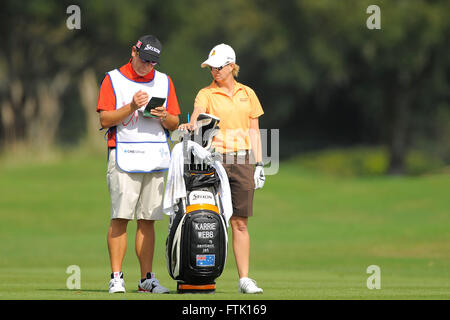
(219, 56)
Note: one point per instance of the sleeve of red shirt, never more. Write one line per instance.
(106, 97)
(172, 102)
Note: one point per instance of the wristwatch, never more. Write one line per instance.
(260, 164)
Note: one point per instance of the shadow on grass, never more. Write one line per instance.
(172, 292)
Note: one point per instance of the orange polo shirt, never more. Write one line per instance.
(234, 112)
(107, 98)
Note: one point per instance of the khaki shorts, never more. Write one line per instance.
(134, 193)
(242, 186)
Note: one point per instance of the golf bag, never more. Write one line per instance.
(196, 247)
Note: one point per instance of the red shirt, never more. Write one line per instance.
(107, 98)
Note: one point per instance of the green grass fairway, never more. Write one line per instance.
(312, 236)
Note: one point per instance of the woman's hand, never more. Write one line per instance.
(187, 127)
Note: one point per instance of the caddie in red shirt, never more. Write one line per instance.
(138, 154)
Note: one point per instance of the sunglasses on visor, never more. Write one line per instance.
(219, 68)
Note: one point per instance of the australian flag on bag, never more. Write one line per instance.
(205, 260)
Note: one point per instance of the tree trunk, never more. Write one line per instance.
(12, 115)
(43, 126)
(88, 88)
(398, 133)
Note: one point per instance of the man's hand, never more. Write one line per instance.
(159, 112)
(140, 99)
(112, 118)
(259, 176)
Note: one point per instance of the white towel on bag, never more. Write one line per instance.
(175, 187)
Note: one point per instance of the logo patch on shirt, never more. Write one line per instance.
(243, 99)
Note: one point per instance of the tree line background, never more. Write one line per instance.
(323, 78)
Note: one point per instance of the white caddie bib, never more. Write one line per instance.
(141, 143)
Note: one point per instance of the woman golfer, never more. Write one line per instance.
(239, 141)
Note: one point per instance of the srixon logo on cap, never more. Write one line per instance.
(149, 47)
